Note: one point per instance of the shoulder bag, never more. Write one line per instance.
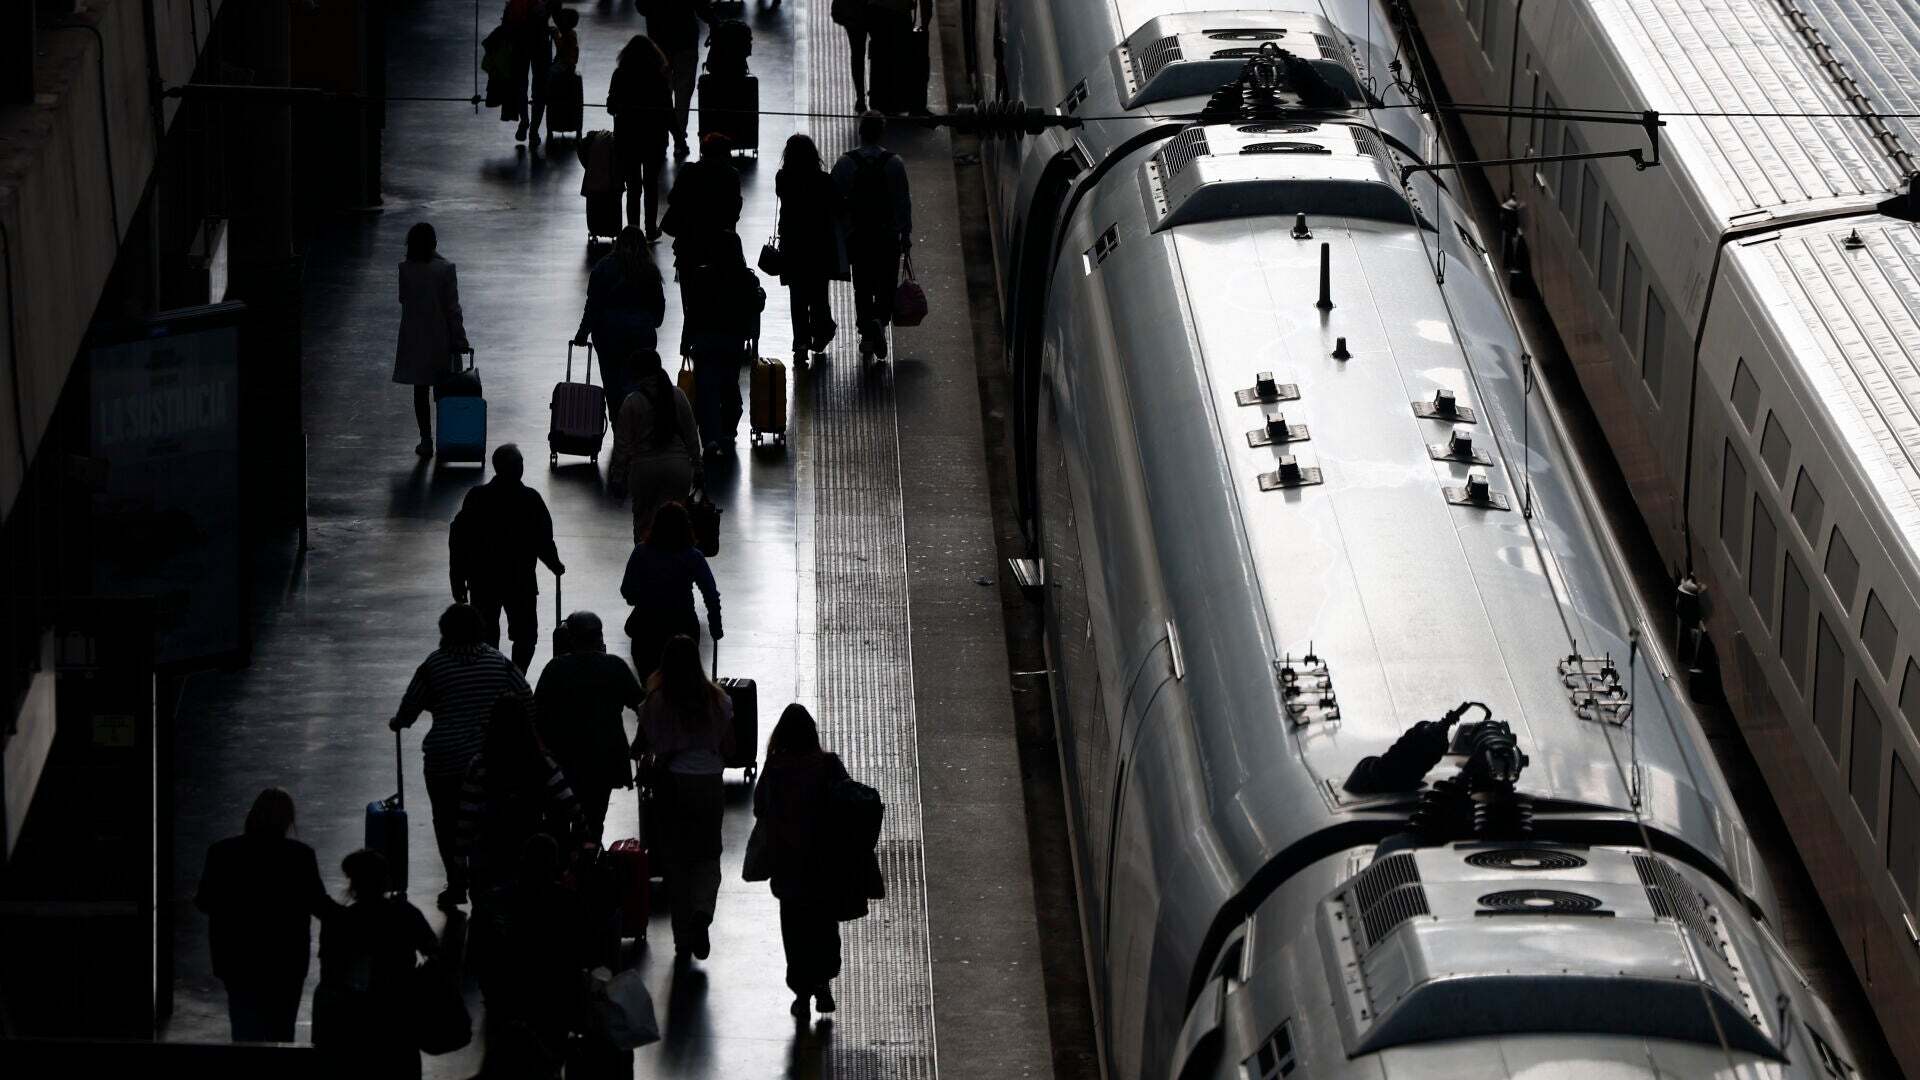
(909, 299)
(773, 261)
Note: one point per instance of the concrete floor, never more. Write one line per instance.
(339, 635)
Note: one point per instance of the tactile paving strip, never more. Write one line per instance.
(864, 663)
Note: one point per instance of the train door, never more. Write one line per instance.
(1031, 264)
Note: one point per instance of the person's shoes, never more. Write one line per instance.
(425, 449)
(823, 999)
(799, 1010)
(452, 897)
(799, 359)
(653, 234)
(860, 103)
(866, 347)
(520, 135)
(680, 149)
(711, 451)
(533, 138)
(681, 957)
(880, 344)
(702, 946)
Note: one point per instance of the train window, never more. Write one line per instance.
(1275, 1057)
(1590, 216)
(1760, 567)
(1775, 449)
(1796, 615)
(1630, 286)
(1808, 507)
(1548, 172)
(1876, 631)
(1903, 833)
(1569, 175)
(1746, 394)
(1843, 570)
(1653, 348)
(1829, 678)
(1609, 241)
(1733, 504)
(1863, 769)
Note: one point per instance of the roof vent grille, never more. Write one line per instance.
(1284, 148)
(1183, 150)
(1525, 859)
(1277, 129)
(1539, 902)
(1246, 35)
(1671, 898)
(1388, 893)
(1156, 56)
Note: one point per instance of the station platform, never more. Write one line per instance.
(858, 571)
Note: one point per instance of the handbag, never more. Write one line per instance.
(909, 299)
(441, 1023)
(773, 262)
(704, 516)
(685, 380)
(622, 1009)
(758, 864)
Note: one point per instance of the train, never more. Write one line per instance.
(1743, 320)
(1373, 765)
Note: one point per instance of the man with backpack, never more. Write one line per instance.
(503, 528)
(872, 181)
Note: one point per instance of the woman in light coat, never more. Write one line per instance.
(431, 328)
(656, 445)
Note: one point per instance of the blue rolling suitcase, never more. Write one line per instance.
(387, 825)
(461, 416)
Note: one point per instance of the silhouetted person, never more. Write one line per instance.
(661, 575)
(879, 218)
(528, 27)
(640, 100)
(502, 530)
(512, 790)
(458, 683)
(362, 1020)
(722, 300)
(686, 725)
(790, 801)
(533, 983)
(625, 305)
(656, 444)
(260, 891)
(676, 26)
(812, 251)
(705, 198)
(432, 330)
(577, 709)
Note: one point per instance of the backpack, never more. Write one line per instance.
(731, 44)
(870, 195)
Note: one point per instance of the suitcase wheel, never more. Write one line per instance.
(752, 771)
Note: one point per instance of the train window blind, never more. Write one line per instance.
(1829, 680)
(1877, 633)
(1746, 394)
(1590, 216)
(1609, 243)
(1808, 507)
(1760, 567)
(1569, 176)
(1843, 570)
(1903, 833)
(1733, 504)
(1796, 619)
(1863, 768)
(1630, 286)
(1653, 347)
(1776, 449)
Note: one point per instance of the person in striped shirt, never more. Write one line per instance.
(458, 683)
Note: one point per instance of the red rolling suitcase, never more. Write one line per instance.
(632, 876)
(579, 422)
(745, 695)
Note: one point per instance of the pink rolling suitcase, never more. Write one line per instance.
(579, 422)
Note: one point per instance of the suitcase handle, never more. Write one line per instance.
(589, 362)
(472, 364)
(399, 776)
(558, 618)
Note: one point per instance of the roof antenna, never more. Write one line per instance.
(1300, 230)
(1526, 434)
(1326, 277)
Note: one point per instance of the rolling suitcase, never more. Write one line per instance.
(603, 215)
(730, 106)
(461, 417)
(912, 71)
(627, 865)
(745, 696)
(579, 421)
(387, 825)
(566, 102)
(769, 400)
(704, 515)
